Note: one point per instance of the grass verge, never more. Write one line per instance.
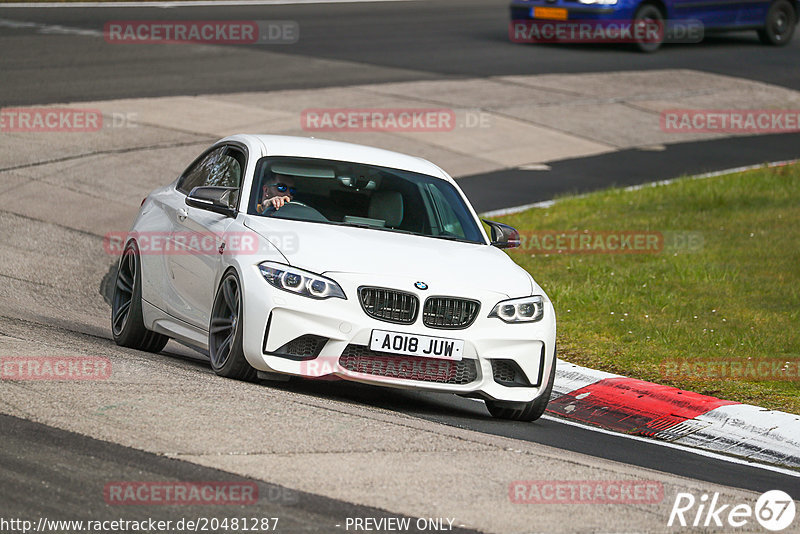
(702, 310)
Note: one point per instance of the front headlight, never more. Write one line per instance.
(300, 282)
(523, 310)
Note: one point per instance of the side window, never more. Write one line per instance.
(222, 166)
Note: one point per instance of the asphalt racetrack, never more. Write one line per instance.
(319, 452)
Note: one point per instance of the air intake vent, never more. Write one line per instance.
(305, 347)
(508, 373)
(360, 359)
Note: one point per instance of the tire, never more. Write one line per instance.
(225, 331)
(780, 24)
(127, 324)
(649, 13)
(524, 411)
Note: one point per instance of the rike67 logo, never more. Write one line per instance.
(774, 510)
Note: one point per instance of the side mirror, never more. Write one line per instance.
(503, 235)
(220, 200)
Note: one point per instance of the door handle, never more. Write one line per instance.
(182, 214)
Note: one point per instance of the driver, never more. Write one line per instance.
(276, 193)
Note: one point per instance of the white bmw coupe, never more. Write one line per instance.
(284, 256)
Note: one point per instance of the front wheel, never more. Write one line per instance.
(524, 411)
(127, 323)
(647, 18)
(779, 25)
(226, 330)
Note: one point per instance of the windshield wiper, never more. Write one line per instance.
(452, 238)
(373, 227)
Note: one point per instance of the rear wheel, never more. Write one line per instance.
(780, 24)
(127, 323)
(649, 16)
(225, 331)
(524, 411)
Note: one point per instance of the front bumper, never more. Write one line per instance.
(500, 361)
(622, 10)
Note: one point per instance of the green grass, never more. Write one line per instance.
(737, 296)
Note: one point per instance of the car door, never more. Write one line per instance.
(198, 234)
(753, 12)
(712, 13)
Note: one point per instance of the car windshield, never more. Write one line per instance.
(366, 196)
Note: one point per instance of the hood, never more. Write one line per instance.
(325, 248)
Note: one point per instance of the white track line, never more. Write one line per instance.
(49, 28)
(191, 3)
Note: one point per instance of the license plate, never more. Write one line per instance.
(549, 13)
(415, 345)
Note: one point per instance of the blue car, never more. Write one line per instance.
(774, 20)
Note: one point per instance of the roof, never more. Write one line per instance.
(310, 147)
